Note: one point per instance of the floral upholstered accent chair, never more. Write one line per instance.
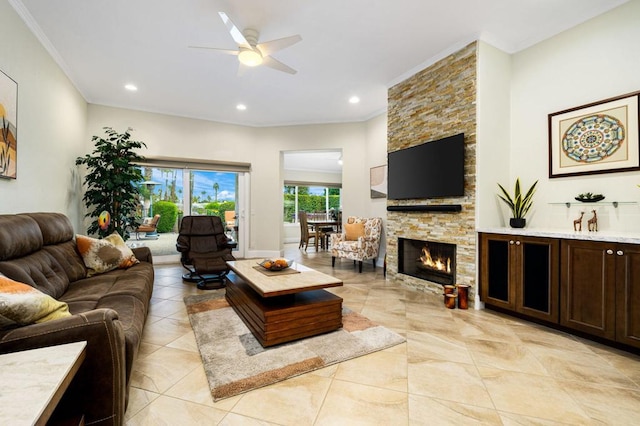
(359, 241)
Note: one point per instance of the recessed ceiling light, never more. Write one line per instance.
(241, 107)
(131, 87)
(354, 100)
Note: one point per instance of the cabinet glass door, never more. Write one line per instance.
(535, 277)
(539, 290)
(498, 270)
(496, 282)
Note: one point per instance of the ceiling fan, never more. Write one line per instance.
(251, 53)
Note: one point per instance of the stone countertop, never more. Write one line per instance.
(605, 236)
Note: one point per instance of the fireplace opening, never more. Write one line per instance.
(427, 260)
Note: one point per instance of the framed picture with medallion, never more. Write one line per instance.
(600, 137)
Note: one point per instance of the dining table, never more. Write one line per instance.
(318, 224)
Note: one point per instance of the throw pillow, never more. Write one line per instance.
(104, 255)
(26, 305)
(353, 231)
(128, 258)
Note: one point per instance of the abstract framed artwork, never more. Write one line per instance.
(600, 137)
(8, 126)
(378, 180)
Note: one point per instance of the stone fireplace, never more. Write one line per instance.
(427, 260)
(436, 102)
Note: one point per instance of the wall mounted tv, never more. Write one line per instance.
(429, 170)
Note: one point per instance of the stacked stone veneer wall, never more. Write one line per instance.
(438, 101)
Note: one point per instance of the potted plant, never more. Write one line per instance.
(519, 204)
(589, 197)
(111, 182)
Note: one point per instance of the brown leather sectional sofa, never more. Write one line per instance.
(108, 310)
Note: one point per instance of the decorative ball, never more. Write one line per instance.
(104, 220)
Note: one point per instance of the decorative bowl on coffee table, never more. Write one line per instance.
(276, 265)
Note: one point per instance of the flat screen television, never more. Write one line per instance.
(429, 170)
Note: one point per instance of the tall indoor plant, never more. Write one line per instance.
(519, 203)
(111, 181)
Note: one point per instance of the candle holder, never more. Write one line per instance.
(450, 301)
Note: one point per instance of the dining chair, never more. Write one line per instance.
(307, 234)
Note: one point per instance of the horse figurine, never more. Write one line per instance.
(577, 224)
(592, 224)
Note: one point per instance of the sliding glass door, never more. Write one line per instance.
(174, 193)
(216, 194)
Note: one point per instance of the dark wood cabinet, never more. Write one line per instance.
(601, 289)
(589, 286)
(628, 294)
(520, 274)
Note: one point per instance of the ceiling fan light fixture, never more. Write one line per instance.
(250, 58)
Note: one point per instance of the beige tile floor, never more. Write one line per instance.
(457, 367)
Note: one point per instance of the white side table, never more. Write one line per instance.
(34, 381)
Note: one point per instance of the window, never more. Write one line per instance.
(208, 192)
(309, 199)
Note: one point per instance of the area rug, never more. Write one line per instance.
(235, 362)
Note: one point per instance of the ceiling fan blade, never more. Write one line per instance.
(227, 51)
(269, 47)
(236, 34)
(277, 65)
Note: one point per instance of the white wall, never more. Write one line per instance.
(493, 133)
(376, 135)
(262, 147)
(593, 61)
(51, 126)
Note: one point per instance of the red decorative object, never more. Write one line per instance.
(463, 296)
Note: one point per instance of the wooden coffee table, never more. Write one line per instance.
(285, 306)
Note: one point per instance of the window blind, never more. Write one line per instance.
(195, 164)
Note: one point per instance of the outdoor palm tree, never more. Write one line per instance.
(216, 187)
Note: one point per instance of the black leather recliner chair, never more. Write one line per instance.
(204, 249)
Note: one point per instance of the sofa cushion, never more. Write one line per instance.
(25, 305)
(104, 255)
(58, 239)
(56, 228)
(67, 256)
(40, 270)
(19, 236)
(86, 294)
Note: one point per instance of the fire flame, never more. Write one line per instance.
(437, 264)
